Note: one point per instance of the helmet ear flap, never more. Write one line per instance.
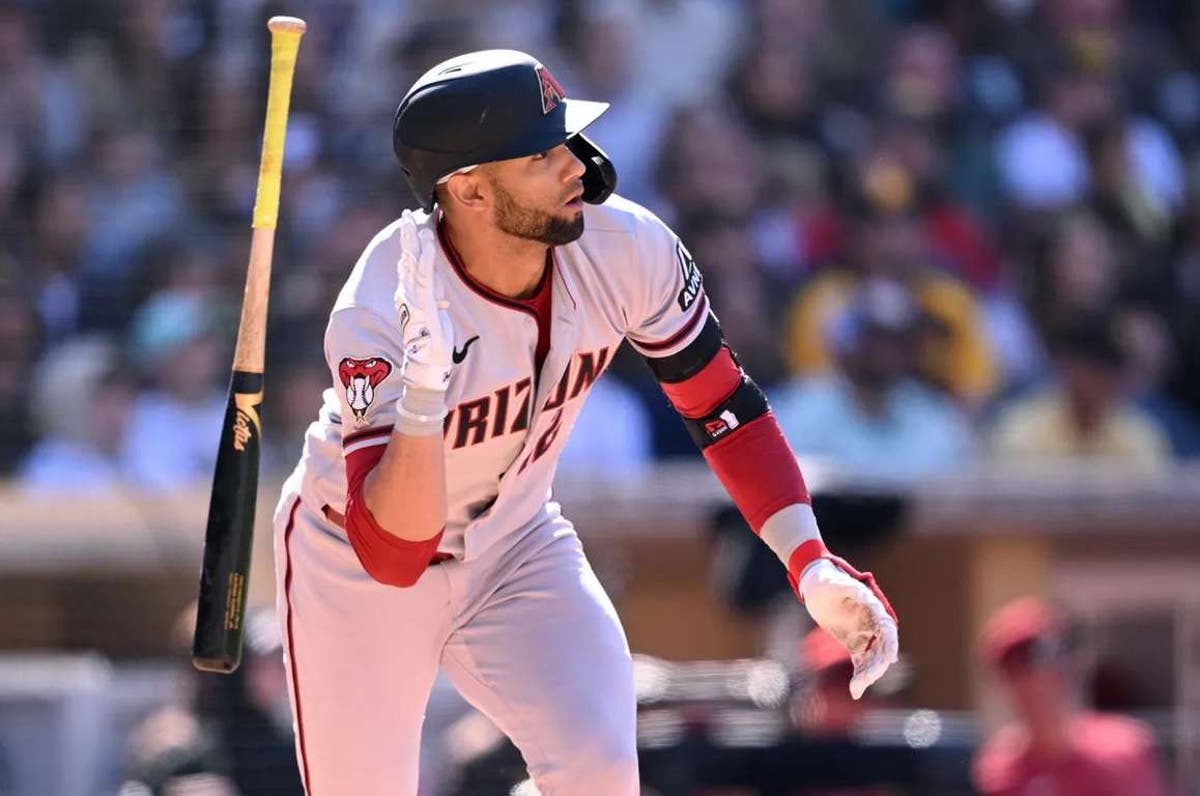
(600, 175)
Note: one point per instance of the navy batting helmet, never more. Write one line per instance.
(492, 105)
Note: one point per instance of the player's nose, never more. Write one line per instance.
(574, 168)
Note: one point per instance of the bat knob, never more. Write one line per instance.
(286, 25)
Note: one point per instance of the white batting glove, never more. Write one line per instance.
(424, 319)
(849, 606)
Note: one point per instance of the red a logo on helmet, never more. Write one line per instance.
(552, 92)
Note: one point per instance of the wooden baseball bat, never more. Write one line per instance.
(224, 574)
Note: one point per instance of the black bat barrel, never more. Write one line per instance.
(225, 572)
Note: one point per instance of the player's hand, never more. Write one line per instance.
(424, 317)
(850, 606)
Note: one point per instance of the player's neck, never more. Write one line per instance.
(508, 265)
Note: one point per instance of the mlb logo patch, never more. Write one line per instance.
(552, 92)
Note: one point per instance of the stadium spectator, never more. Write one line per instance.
(871, 416)
(134, 193)
(219, 174)
(19, 343)
(250, 715)
(824, 715)
(775, 91)
(58, 233)
(1054, 745)
(80, 403)
(688, 46)
(1151, 356)
(176, 419)
(292, 399)
(1141, 223)
(171, 754)
(823, 707)
(600, 36)
(219, 736)
(1042, 158)
(39, 101)
(883, 237)
(1081, 274)
(1178, 309)
(708, 159)
(12, 174)
(748, 298)
(1085, 415)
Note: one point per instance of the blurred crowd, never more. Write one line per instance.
(938, 233)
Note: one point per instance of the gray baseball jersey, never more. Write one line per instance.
(628, 276)
(516, 619)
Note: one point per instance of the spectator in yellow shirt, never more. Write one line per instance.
(1085, 415)
(887, 241)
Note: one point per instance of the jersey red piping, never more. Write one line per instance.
(291, 644)
(373, 431)
(481, 289)
(701, 308)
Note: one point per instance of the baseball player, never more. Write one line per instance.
(418, 532)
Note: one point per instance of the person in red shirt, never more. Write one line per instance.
(1055, 747)
(819, 710)
(829, 719)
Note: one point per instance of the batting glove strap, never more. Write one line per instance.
(810, 552)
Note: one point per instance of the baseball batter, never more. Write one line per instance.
(418, 531)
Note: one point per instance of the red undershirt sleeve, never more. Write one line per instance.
(386, 558)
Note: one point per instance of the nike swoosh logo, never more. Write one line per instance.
(460, 354)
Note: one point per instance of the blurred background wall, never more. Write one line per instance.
(957, 242)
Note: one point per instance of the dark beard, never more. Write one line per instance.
(536, 225)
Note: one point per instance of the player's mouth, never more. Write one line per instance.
(575, 200)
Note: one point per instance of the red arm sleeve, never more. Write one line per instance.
(386, 558)
(754, 464)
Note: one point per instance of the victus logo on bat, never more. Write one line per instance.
(360, 377)
(246, 422)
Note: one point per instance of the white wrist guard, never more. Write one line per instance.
(420, 412)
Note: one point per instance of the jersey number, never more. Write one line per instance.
(544, 442)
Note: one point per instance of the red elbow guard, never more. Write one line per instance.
(728, 417)
(386, 558)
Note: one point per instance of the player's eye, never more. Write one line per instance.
(539, 156)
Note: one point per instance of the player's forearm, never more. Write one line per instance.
(406, 491)
(731, 422)
(396, 494)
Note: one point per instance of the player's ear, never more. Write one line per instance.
(468, 190)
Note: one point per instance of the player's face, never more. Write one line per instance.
(539, 197)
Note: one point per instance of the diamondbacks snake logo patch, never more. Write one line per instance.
(360, 377)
